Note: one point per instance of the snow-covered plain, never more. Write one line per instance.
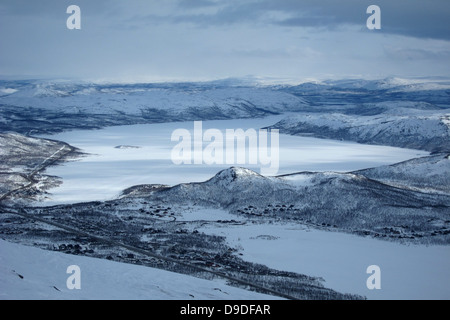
(108, 170)
(44, 277)
(407, 271)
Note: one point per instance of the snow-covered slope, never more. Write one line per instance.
(103, 99)
(50, 106)
(348, 201)
(393, 84)
(417, 130)
(28, 273)
(427, 174)
(229, 187)
(55, 106)
(25, 153)
(432, 90)
(23, 161)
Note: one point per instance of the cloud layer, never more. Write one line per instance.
(212, 39)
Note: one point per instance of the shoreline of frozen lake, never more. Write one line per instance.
(108, 170)
(408, 272)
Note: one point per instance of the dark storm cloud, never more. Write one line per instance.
(23, 7)
(49, 8)
(187, 4)
(414, 18)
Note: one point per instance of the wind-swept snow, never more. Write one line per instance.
(28, 273)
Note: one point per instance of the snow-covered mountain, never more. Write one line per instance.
(23, 161)
(350, 202)
(136, 99)
(415, 129)
(229, 187)
(49, 107)
(428, 174)
(393, 84)
(431, 90)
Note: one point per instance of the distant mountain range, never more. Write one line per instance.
(413, 107)
(35, 107)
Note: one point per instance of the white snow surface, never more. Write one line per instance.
(7, 91)
(44, 277)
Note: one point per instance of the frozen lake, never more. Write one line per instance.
(411, 272)
(407, 272)
(107, 170)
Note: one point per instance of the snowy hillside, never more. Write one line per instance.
(427, 174)
(392, 84)
(50, 107)
(345, 201)
(148, 234)
(23, 161)
(28, 273)
(104, 99)
(414, 129)
(25, 153)
(228, 187)
(430, 90)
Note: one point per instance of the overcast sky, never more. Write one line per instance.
(149, 40)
